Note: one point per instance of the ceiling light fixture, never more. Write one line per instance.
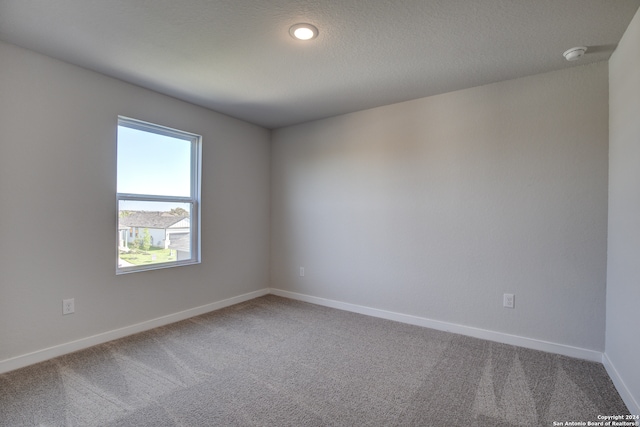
(303, 32)
(574, 53)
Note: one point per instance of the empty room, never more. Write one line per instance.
(319, 213)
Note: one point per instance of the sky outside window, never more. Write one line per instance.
(153, 164)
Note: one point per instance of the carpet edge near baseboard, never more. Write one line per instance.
(550, 347)
(520, 341)
(618, 382)
(82, 343)
(45, 354)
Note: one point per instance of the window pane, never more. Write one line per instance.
(150, 163)
(153, 232)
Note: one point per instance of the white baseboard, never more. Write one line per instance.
(625, 393)
(595, 356)
(59, 350)
(549, 347)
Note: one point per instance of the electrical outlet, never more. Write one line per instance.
(508, 300)
(68, 306)
(301, 271)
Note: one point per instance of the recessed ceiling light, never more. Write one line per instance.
(303, 31)
(575, 53)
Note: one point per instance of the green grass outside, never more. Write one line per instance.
(152, 256)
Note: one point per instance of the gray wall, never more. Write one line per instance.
(623, 267)
(438, 206)
(57, 192)
(432, 207)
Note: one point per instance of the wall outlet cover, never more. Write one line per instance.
(68, 306)
(508, 300)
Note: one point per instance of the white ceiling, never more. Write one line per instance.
(236, 56)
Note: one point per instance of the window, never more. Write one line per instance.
(158, 196)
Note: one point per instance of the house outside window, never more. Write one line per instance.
(158, 196)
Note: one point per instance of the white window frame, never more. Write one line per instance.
(193, 199)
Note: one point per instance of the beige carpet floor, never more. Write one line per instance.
(278, 362)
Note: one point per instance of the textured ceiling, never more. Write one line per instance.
(236, 56)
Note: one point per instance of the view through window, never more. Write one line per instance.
(158, 196)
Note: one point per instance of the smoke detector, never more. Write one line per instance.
(574, 53)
